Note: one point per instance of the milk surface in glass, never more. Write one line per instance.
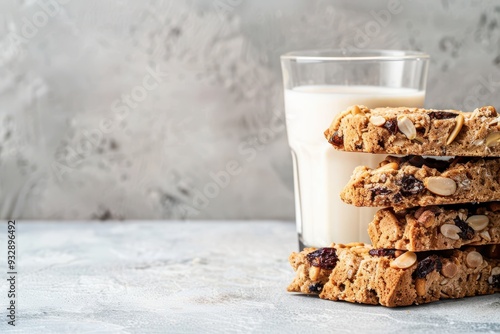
(322, 217)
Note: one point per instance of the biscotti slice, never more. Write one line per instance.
(417, 131)
(436, 227)
(314, 266)
(394, 278)
(415, 181)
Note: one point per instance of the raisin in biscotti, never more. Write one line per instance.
(314, 266)
(415, 181)
(436, 227)
(394, 278)
(417, 131)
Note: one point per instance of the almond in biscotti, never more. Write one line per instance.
(449, 269)
(427, 218)
(406, 260)
(493, 139)
(474, 259)
(377, 120)
(458, 126)
(478, 222)
(406, 126)
(441, 186)
(450, 231)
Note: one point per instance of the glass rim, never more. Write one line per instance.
(354, 55)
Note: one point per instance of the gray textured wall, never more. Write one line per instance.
(124, 109)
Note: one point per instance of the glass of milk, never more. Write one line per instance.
(318, 85)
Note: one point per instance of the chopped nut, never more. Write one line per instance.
(427, 218)
(493, 139)
(390, 165)
(350, 273)
(462, 215)
(495, 271)
(354, 244)
(441, 186)
(419, 212)
(449, 269)
(398, 142)
(355, 110)
(420, 287)
(314, 273)
(478, 222)
(406, 126)
(377, 120)
(450, 231)
(406, 260)
(301, 272)
(473, 259)
(458, 126)
(478, 142)
(444, 281)
(485, 235)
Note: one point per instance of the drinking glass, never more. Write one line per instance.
(319, 84)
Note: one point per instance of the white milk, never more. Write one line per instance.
(320, 171)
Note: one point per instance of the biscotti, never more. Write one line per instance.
(415, 181)
(417, 131)
(436, 227)
(314, 266)
(391, 278)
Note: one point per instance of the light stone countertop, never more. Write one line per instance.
(193, 277)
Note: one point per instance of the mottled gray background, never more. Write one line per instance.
(87, 132)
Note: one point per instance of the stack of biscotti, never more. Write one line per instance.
(438, 236)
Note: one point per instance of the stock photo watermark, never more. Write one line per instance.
(121, 108)
(14, 42)
(248, 151)
(225, 7)
(372, 28)
(193, 199)
(11, 272)
(484, 89)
